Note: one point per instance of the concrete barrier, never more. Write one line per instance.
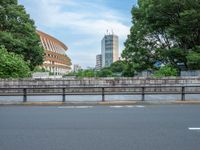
(101, 86)
(93, 82)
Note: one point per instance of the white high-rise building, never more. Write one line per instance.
(109, 49)
(77, 67)
(98, 62)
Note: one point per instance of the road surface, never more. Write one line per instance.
(148, 127)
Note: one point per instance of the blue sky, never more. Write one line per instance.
(81, 24)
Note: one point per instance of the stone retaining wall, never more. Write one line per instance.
(98, 82)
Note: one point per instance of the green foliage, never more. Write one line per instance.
(105, 72)
(118, 66)
(193, 60)
(83, 73)
(12, 65)
(69, 74)
(129, 71)
(39, 69)
(122, 68)
(163, 31)
(117, 69)
(166, 71)
(87, 73)
(6, 2)
(18, 33)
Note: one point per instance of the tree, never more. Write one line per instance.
(83, 73)
(12, 65)
(40, 69)
(166, 71)
(122, 68)
(165, 32)
(118, 66)
(129, 70)
(194, 58)
(18, 33)
(88, 73)
(105, 72)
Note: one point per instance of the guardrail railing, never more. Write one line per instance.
(103, 91)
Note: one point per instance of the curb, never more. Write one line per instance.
(70, 103)
(186, 102)
(106, 103)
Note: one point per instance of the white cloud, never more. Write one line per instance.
(84, 18)
(95, 20)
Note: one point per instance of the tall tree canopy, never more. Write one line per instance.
(164, 31)
(18, 33)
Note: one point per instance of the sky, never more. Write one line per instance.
(81, 24)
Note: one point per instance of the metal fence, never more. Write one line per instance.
(103, 91)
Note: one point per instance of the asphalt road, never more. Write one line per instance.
(152, 127)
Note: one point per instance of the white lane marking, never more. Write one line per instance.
(140, 106)
(75, 107)
(116, 106)
(194, 128)
(127, 106)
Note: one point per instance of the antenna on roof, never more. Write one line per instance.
(107, 32)
(112, 32)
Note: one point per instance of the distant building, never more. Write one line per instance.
(109, 49)
(56, 60)
(77, 67)
(98, 62)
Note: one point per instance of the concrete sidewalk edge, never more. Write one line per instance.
(74, 103)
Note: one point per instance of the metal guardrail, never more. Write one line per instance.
(103, 90)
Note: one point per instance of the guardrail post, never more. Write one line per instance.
(143, 94)
(182, 93)
(103, 95)
(24, 95)
(63, 95)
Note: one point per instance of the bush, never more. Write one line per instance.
(12, 65)
(105, 72)
(166, 71)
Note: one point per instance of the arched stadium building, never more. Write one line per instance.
(55, 60)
